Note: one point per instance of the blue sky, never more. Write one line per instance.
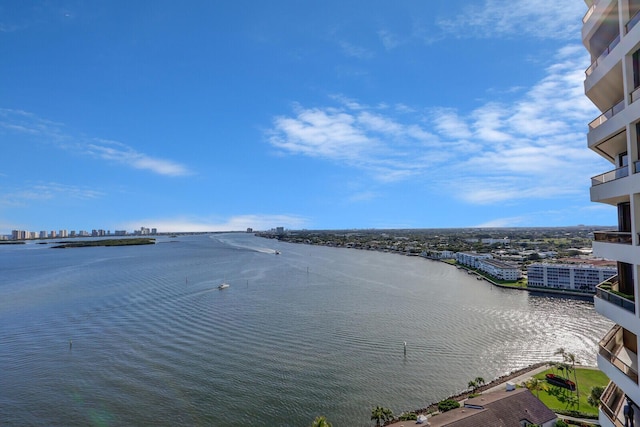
(212, 115)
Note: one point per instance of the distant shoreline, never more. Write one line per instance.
(106, 242)
(495, 382)
(536, 290)
(539, 290)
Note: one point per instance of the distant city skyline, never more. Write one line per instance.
(223, 116)
(63, 233)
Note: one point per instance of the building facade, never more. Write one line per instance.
(612, 82)
(569, 277)
(500, 270)
(471, 259)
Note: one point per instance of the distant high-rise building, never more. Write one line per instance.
(612, 82)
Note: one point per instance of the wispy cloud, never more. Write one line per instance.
(234, 223)
(532, 147)
(543, 19)
(389, 40)
(47, 131)
(118, 152)
(355, 51)
(42, 191)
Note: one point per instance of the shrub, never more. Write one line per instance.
(447, 405)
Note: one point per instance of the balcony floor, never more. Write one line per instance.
(628, 357)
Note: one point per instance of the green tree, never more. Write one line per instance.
(534, 384)
(321, 421)
(381, 415)
(594, 396)
(569, 365)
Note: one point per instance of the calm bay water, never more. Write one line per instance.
(312, 331)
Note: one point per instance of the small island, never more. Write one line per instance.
(106, 242)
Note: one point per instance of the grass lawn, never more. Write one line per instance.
(586, 379)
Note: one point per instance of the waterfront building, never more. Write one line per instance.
(471, 259)
(499, 269)
(612, 82)
(569, 277)
(18, 234)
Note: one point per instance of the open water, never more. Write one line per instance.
(312, 331)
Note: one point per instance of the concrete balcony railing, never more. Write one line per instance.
(587, 15)
(603, 55)
(605, 292)
(612, 350)
(607, 115)
(610, 176)
(612, 402)
(623, 237)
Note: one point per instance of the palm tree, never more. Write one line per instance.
(570, 358)
(534, 384)
(381, 415)
(321, 421)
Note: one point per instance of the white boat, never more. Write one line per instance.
(223, 285)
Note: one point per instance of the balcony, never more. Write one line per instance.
(608, 291)
(611, 404)
(613, 350)
(622, 237)
(587, 15)
(603, 55)
(632, 22)
(607, 115)
(610, 176)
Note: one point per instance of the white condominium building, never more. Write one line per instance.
(569, 277)
(471, 259)
(500, 269)
(611, 34)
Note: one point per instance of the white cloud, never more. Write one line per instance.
(43, 191)
(532, 147)
(235, 223)
(118, 152)
(46, 131)
(541, 19)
